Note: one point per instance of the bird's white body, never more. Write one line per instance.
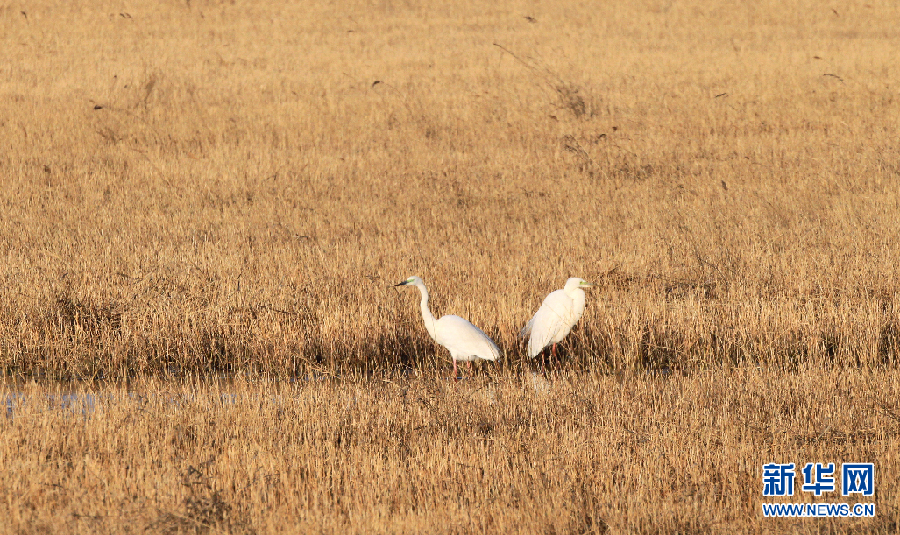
(559, 312)
(465, 341)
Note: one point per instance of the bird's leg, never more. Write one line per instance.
(554, 362)
(471, 373)
(455, 376)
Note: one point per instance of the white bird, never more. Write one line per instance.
(465, 341)
(559, 312)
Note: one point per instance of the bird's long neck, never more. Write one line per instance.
(577, 302)
(427, 316)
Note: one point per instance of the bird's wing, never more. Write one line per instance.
(572, 318)
(548, 321)
(464, 339)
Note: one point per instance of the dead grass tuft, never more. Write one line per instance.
(203, 510)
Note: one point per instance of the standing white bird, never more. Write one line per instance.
(559, 312)
(465, 341)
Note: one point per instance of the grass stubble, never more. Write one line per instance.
(578, 453)
(200, 188)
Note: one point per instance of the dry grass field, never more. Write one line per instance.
(519, 454)
(192, 189)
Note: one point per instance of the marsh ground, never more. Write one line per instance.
(512, 453)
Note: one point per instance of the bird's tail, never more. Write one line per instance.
(526, 330)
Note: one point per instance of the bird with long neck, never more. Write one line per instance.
(553, 321)
(465, 341)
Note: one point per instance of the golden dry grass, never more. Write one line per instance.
(576, 454)
(213, 186)
(192, 188)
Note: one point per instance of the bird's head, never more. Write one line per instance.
(412, 281)
(576, 282)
